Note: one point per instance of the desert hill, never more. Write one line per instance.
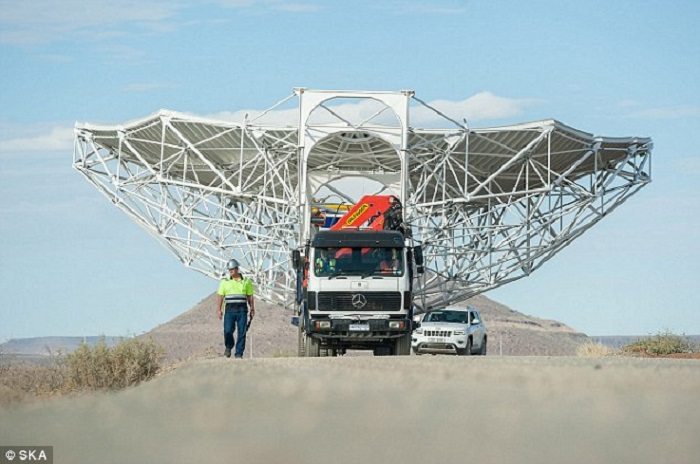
(198, 332)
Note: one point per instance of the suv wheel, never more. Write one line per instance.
(467, 350)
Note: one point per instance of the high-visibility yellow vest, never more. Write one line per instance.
(322, 264)
(235, 291)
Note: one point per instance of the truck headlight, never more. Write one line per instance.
(459, 332)
(396, 324)
(323, 325)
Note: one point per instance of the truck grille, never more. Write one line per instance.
(437, 333)
(374, 301)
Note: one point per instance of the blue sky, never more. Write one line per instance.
(72, 264)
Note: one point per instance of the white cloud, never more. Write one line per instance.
(350, 110)
(41, 21)
(56, 138)
(481, 106)
(435, 8)
(423, 7)
(270, 5)
(297, 7)
(478, 107)
(35, 22)
(688, 165)
(143, 87)
(668, 112)
(275, 117)
(628, 103)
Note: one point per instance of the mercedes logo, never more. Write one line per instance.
(359, 301)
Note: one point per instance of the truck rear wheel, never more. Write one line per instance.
(402, 345)
(312, 347)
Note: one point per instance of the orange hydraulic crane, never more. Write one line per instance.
(373, 212)
(376, 212)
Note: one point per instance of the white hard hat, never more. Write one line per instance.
(232, 263)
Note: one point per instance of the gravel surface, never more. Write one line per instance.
(427, 409)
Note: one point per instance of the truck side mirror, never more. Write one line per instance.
(296, 259)
(418, 254)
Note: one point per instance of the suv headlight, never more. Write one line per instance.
(459, 332)
(418, 330)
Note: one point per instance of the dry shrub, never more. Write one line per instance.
(102, 368)
(87, 368)
(593, 350)
(663, 344)
(19, 380)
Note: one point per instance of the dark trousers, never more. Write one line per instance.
(235, 318)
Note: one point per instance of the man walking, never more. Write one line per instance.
(236, 292)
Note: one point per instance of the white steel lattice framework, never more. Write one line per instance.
(489, 205)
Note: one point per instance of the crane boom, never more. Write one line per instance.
(376, 212)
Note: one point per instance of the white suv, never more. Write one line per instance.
(451, 330)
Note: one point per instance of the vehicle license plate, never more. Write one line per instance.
(359, 327)
(435, 340)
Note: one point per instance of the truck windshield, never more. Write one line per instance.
(329, 262)
(455, 317)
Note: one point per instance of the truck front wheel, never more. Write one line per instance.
(402, 345)
(301, 336)
(312, 346)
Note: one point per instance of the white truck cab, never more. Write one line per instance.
(452, 330)
(358, 294)
(355, 277)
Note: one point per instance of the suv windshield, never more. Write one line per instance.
(330, 262)
(456, 317)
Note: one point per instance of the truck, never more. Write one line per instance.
(355, 281)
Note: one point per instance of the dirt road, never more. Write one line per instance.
(390, 410)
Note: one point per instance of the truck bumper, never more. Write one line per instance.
(342, 329)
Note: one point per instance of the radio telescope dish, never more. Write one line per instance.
(489, 205)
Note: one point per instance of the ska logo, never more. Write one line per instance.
(359, 301)
(29, 454)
